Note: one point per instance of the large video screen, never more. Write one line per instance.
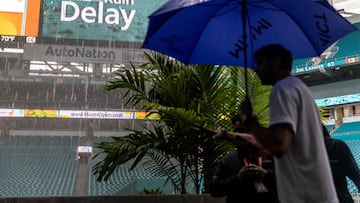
(115, 20)
(19, 17)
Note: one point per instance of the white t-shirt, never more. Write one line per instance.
(303, 174)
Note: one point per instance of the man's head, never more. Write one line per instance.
(273, 62)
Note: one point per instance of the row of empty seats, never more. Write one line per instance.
(50, 92)
(47, 166)
(50, 141)
(36, 171)
(73, 124)
(347, 129)
(122, 177)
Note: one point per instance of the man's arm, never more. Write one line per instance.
(276, 139)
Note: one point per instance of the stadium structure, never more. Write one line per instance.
(53, 106)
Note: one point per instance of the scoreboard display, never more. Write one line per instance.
(94, 20)
(12, 39)
(19, 17)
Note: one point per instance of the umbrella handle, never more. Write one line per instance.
(243, 18)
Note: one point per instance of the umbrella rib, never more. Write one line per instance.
(228, 2)
(295, 21)
(215, 25)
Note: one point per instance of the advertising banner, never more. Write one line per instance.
(72, 54)
(83, 54)
(11, 113)
(40, 113)
(324, 65)
(53, 113)
(345, 99)
(95, 114)
(19, 17)
(115, 20)
(146, 115)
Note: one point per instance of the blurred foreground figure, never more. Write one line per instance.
(343, 165)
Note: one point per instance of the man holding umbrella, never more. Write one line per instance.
(294, 136)
(228, 32)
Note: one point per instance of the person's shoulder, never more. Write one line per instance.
(287, 83)
(335, 140)
(232, 159)
(288, 79)
(338, 145)
(294, 81)
(231, 155)
(339, 142)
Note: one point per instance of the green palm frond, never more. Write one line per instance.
(164, 166)
(177, 118)
(133, 81)
(182, 96)
(133, 146)
(324, 113)
(156, 191)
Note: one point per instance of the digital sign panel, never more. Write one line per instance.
(84, 149)
(338, 100)
(19, 17)
(52, 113)
(114, 20)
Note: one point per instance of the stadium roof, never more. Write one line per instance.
(347, 8)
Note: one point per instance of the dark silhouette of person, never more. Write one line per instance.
(342, 165)
(303, 172)
(244, 175)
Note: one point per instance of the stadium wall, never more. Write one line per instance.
(124, 198)
(336, 89)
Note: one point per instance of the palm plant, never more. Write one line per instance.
(182, 96)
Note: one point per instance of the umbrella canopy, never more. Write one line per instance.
(228, 32)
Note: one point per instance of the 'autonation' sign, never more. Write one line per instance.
(83, 54)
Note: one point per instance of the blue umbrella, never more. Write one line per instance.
(228, 32)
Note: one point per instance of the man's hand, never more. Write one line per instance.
(220, 134)
(252, 172)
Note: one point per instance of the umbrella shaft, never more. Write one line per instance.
(243, 16)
